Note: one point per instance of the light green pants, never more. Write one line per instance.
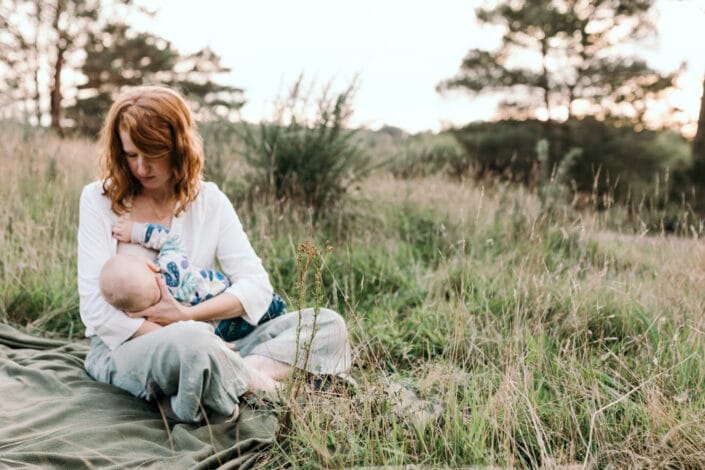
(188, 363)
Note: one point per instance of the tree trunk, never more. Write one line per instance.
(544, 79)
(55, 101)
(55, 92)
(571, 99)
(698, 146)
(37, 97)
(37, 58)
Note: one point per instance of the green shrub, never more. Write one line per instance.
(504, 149)
(223, 165)
(428, 154)
(555, 182)
(617, 164)
(303, 158)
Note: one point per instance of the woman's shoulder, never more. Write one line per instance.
(93, 191)
(209, 200)
(211, 193)
(93, 186)
(95, 201)
(209, 188)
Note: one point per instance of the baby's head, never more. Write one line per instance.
(128, 283)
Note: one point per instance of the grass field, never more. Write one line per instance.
(531, 337)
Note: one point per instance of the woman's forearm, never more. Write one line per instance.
(146, 327)
(219, 307)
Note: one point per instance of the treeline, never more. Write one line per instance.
(574, 100)
(567, 73)
(88, 51)
(599, 162)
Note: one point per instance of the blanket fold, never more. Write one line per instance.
(52, 414)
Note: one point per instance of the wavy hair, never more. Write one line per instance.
(159, 124)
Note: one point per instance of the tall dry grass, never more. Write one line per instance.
(486, 330)
(40, 181)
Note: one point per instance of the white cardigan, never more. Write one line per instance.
(209, 228)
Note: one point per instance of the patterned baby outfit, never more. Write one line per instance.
(188, 283)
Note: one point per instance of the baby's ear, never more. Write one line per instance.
(152, 266)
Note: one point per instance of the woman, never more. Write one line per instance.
(151, 169)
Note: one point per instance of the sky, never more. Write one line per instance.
(398, 50)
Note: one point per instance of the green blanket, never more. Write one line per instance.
(52, 414)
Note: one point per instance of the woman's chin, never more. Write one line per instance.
(154, 184)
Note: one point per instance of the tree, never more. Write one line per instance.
(193, 75)
(565, 54)
(46, 37)
(20, 52)
(118, 57)
(698, 145)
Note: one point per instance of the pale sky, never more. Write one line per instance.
(398, 49)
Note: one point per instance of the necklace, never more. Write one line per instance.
(161, 215)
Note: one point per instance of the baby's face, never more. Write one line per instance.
(146, 292)
(150, 295)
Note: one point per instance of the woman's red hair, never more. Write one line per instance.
(159, 124)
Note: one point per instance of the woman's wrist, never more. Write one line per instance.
(186, 312)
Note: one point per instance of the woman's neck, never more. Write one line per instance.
(154, 207)
(159, 196)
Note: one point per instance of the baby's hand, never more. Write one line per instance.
(122, 229)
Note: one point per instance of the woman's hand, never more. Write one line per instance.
(122, 229)
(168, 310)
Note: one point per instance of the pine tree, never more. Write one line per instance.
(193, 75)
(566, 54)
(119, 57)
(116, 57)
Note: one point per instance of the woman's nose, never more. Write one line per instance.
(142, 166)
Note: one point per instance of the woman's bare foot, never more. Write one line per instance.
(265, 374)
(272, 368)
(260, 382)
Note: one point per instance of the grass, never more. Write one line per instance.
(545, 338)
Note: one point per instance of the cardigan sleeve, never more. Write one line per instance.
(238, 260)
(95, 246)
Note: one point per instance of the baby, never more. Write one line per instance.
(128, 283)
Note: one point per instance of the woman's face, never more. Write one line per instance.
(152, 173)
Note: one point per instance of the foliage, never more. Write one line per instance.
(426, 154)
(503, 149)
(620, 161)
(382, 144)
(193, 75)
(571, 54)
(118, 57)
(90, 37)
(305, 157)
(554, 188)
(46, 35)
